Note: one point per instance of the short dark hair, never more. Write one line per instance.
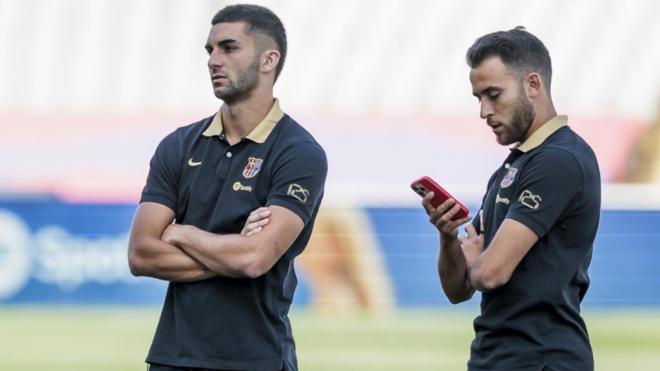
(259, 20)
(518, 49)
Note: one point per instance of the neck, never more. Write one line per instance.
(239, 119)
(543, 114)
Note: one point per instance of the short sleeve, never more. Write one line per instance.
(298, 179)
(163, 179)
(548, 187)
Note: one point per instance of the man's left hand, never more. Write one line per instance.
(172, 233)
(473, 243)
(256, 221)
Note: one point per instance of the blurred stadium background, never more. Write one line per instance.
(89, 87)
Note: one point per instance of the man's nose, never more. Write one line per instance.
(486, 109)
(215, 60)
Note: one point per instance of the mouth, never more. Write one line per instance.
(494, 125)
(217, 78)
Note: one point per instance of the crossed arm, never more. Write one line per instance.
(183, 253)
(464, 265)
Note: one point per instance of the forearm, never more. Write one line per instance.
(481, 276)
(475, 275)
(228, 255)
(492, 267)
(155, 258)
(453, 270)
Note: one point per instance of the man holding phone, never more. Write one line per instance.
(529, 249)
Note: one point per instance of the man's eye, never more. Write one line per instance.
(493, 96)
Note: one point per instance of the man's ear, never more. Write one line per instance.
(269, 60)
(533, 85)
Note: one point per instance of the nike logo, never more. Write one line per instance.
(192, 163)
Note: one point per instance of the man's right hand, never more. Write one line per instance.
(441, 217)
(256, 221)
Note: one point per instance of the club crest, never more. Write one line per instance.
(509, 177)
(252, 168)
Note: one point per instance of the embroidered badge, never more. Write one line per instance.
(509, 177)
(530, 200)
(240, 187)
(252, 168)
(298, 192)
(193, 163)
(503, 200)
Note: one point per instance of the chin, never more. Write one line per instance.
(505, 141)
(220, 93)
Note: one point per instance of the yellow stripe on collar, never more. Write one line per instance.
(542, 133)
(259, 134)
(266, 126)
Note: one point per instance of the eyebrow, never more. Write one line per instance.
(486, 91)
(224, 42)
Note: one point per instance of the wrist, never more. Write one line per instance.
(177, 235)
(449, 237)
(185, 231)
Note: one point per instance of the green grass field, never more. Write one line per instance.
(116, 339)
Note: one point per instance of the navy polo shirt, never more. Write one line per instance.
(232, 323)
(551, 184)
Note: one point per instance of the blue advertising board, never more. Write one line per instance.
(52, 252)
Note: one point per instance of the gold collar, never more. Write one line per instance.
(542, 133)
(259, 134)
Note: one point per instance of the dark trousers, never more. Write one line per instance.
(157, 367)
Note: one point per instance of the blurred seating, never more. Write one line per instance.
(94, 85)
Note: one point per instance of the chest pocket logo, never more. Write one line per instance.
(252, 168)
(530, 200)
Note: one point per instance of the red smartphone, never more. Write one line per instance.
(425, 184)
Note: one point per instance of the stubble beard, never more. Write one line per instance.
(240, 90)
(522, 119)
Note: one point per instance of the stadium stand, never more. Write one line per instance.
(94, 76)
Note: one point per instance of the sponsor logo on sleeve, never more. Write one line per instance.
(252, 168)
(298, 192)
(530, 200)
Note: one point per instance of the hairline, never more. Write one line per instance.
(256, 34)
